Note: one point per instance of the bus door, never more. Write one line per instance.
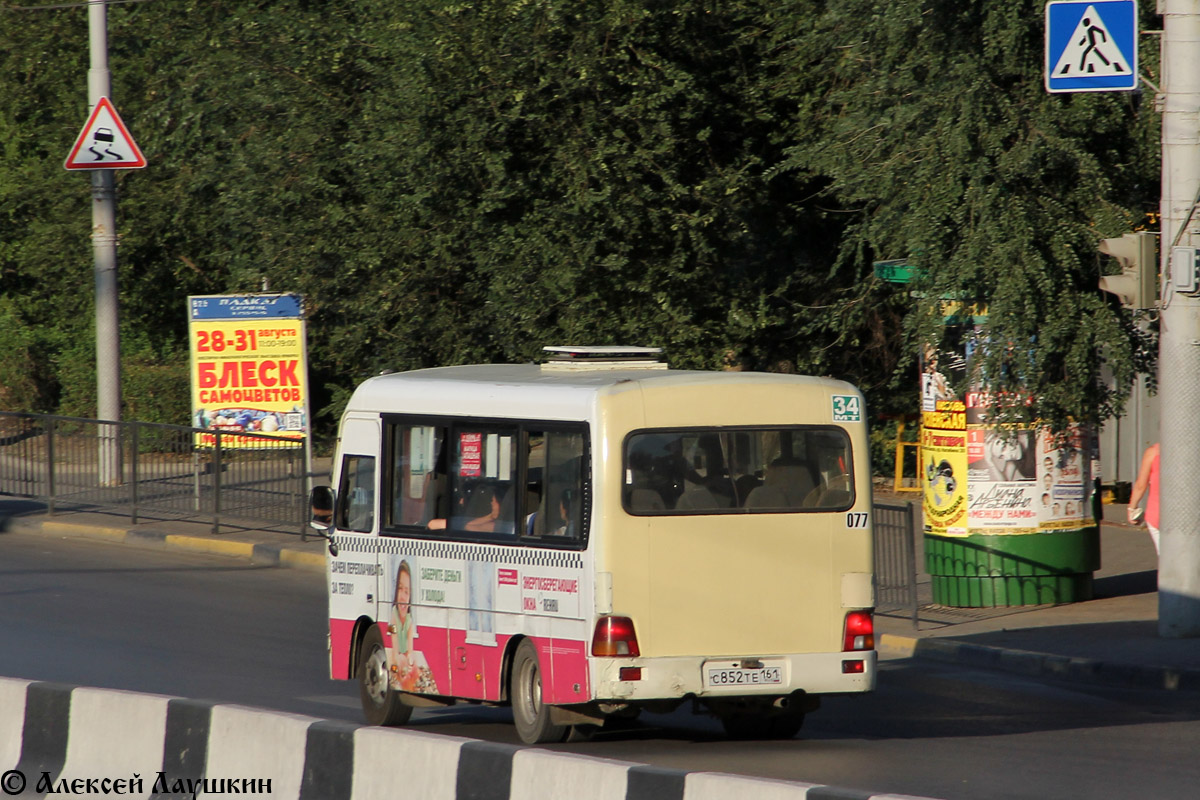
(353, 574)
(484, 489)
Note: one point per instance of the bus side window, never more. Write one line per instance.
(418, 474)
(559, 511)
(356, 495)
(483, 480)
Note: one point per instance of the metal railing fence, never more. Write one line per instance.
(153, 468)
(895, 559)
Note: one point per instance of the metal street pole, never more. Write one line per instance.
(104, 249)
(1179, 336)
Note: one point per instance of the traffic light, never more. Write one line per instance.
(1136, 286)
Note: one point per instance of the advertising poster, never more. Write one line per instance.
(412, 585)
(1064, 480)
(1002, 495)
(249, 368)
(1011, 479)
(944, 469)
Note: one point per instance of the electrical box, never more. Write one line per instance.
(1184, 273)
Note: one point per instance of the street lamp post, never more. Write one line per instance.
(104, 250)
(1179, 336)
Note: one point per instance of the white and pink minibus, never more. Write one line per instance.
(599, 535)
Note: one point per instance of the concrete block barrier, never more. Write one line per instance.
(12, 720)
(112, 734)
(58, 740)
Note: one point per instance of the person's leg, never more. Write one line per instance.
(1153, 536)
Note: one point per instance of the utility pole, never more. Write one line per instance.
(1179, 335)
(104, 249)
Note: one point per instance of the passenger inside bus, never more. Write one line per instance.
(487, 510)
(498, 517)
(568, 512)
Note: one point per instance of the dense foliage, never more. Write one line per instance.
(450, 182)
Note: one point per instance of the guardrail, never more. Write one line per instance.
(895, 559)
(154, 468)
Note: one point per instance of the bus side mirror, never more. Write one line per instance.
(321, 502)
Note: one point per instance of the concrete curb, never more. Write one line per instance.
(1024, 662)
(74, 740)
(267, 554)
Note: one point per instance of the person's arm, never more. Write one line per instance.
(484, 524)
(1141, 483)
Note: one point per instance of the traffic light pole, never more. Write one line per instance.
(104, 251)
(1179, 334)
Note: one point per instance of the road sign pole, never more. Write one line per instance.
(104, 250)
(1179, 337)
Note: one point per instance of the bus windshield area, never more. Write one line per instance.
(737, 471)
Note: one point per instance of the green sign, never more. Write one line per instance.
(898, 271)
(847, 408)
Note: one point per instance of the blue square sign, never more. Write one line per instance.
(1091, 45)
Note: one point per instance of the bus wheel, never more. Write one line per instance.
(531, 717)
(758, 725)
(381, 704)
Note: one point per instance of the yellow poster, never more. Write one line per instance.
(944, 479)
(249, 372)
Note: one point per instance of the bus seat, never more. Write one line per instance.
(786, 485)
(831, 495)
(698, 498)
(743, 486)
(767, 497)
(835, 498)
(645, 500)
(535, 524)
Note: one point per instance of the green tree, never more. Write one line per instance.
(449, 183)
(932, 124)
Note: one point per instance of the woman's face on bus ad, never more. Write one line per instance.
(403, 592)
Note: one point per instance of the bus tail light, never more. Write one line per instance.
(615, 636)
(859, 633)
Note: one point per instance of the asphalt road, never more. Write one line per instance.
(160, 620)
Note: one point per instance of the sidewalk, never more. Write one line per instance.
(1112, 639)
(277, 547)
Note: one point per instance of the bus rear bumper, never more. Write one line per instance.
(646, 679)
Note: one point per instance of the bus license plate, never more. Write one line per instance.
(745, 677)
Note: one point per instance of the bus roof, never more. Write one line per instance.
(503, 390)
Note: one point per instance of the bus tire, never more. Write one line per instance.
(530, 715)
(380, 702)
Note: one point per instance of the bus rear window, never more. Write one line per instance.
(737, 471)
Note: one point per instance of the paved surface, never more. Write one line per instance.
(1112, 639)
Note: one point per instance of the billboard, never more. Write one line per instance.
(249, 368)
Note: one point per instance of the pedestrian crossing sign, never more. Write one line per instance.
(1091, 45)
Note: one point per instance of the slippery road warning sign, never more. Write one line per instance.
(105, 143)
(1091, 45)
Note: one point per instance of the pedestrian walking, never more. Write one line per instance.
(1146, 486)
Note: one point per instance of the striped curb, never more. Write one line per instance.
(272, 555)
(1031, 664)
(66, 739)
